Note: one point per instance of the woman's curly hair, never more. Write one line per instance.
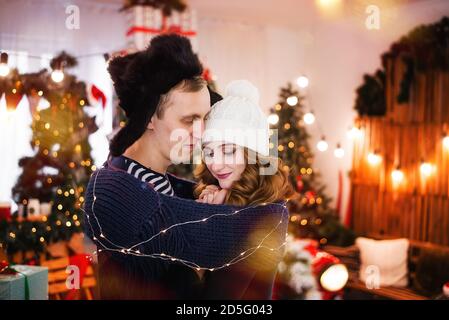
(252, 188)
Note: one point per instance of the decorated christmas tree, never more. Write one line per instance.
(311, 214)
(59, 171)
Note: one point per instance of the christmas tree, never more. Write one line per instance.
(61, 167)
(311, 215)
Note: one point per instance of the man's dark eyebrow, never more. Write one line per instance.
(194, 116)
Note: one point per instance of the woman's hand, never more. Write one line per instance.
(212, 195)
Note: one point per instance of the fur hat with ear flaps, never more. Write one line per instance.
(142, 77)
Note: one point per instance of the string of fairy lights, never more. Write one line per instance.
(309, 118)
(374, 158)
(57, 74)
(102, 239)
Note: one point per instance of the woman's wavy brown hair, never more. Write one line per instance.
(252, 188)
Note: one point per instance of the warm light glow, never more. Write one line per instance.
(426, 169)
(57, 75)
(292, 101)
(322, 145)
(273, 119)
(397, 175)
(302, 82)
(354, 133)
(374, 158)
(339, 152)
(329, 6)
(4, 69)
(309, 118)
(334, 278)
(446, 142)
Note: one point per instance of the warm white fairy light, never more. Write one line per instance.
(446, 142)
(397, 175)
(322, 145)
(4, 70)
(243, 255)
(302, 82)
(374, 158)
(426, 169)
(309, 118)
(57, 75)
(292, 101)
(273, 119)
(339, 152)
(354, 133)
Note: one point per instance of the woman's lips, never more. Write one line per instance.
(223, 176)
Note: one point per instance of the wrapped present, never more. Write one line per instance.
(146, 22)
(21, 282)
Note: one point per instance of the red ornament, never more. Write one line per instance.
(98, 95)
(310, 194)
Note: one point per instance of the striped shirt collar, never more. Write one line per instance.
(160, 181)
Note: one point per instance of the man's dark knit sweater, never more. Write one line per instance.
(130, 211)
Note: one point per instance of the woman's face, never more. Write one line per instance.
(225, 161)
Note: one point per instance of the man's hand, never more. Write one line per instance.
(212, 195)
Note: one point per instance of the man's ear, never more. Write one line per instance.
(150, 125)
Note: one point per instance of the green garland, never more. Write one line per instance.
(425, 48)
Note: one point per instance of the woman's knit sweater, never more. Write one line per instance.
(127, 212)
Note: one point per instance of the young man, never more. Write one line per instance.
(161, 91)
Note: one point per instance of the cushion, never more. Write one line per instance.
(383, 262)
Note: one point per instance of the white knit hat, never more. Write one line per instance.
(238, 119)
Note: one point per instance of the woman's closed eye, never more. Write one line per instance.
(228, 150)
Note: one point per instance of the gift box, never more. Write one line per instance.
(146, 22)
(27, 283)
(5, 210)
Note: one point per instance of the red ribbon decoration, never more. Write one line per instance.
(82, 261)
(97, 94)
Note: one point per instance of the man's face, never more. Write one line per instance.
(179, 129)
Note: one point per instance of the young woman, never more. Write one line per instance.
(237, 170)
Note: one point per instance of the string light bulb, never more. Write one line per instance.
(309, 118)
(4, 68)
(426, 168)
(397, 175)
(292, 101)
(273, 119)
(57, 75)
(339, 152)
(302, 82)
(446, 141)
(322, 145)
(354, 132)
(374, 158)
